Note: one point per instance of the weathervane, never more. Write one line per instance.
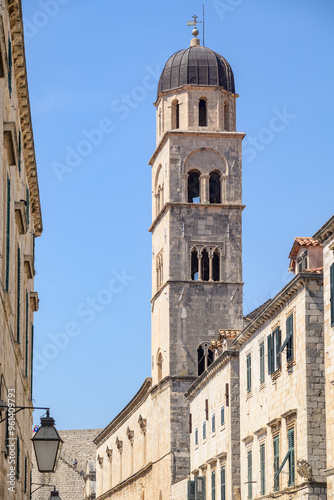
(193, 23)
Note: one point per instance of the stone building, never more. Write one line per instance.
(21, 222)
(196, 273)
(325, 236)
(76, 471)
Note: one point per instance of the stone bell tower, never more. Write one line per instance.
(197, 210)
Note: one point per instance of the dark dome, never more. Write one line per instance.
(196, 65)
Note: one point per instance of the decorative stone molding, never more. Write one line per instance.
(248, 439)
(10, 142)
(100, 460)
(212, 462)
(130, 434)
(290, 417)
(237, 493)
(21, 216)
(260, 432)
(119, 445)
(222, 457)
(34, 301)
(29, 266)
(109, 453)
(275, 425)
(304, 470)
(142, 424)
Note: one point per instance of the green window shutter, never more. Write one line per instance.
(291, 442)
(20, 150)
(17, 457)
(204, 430)
(18, 299)
(213, 485)
(25, 474)
(200, 488)
(191, 490)
(276, 462)
(332, 293)
(249, 373)
(8, 234)
(27, 205)
(10, 63)
(31, 359)
(222, 483)
(222, 415)
(278, 346)
(263, 468)
(213, 422)
(262, 376)
(250, 474)
(289, 334)
(27, 336)
(270, 366)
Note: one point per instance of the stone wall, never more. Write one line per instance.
(68, 478)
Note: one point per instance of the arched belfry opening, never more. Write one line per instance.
(216, 266)
(204, 357)
(202, 113)
(194, 187)
(175, 114)
(194, 265)
(205, 265)
(215, 187)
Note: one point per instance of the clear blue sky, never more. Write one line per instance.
(86, 58)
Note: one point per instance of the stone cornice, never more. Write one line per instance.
(216, 366)
(325, 232)
(192, 133)
(169, 204)
(276, 304)
(20, 72)
(128, 410)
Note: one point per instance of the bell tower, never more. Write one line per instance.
(196, 211)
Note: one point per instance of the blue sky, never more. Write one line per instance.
(84, 60)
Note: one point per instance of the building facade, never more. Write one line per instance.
(196, 272)
(20, 224)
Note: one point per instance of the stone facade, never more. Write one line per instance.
(75, 475)
(20, 223)
(326, 237)
(282, 394)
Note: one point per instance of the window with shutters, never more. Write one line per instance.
(274, 346)
(213, 422)
(250, 474)
(289, 338)
(200, 488)
(302, 262)
(291, 443)
(332, 293)
(263, 469)
(249, 373)
(204, 429)
(7, 234)
(213, 485)
(276, 463)
(222, 483)
(202, 118)
(262, 371)
(191, 490)
(27, 205)
(18, 298)
(222, 415)
(196, 436)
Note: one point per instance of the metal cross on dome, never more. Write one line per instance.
(194, 21)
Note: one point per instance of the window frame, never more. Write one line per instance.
(249, 372)
(213, 422)
(262, 363)
(263, 469)
(213, 484)
(250, 474)
(196, 436)
(222, 413)
(204, 430)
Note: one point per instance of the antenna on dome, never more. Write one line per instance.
(203, 27)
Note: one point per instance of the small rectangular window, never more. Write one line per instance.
(332, 293)
(263, 469)
(222, 483)
(276, 463)
(222, 415)
(289, 338)
(213, 485)
(291, 442)
(204, 429)
(196, 436)
(250, 475)
(262, 376)
(249, 373)
(213, 422)
(274, 347)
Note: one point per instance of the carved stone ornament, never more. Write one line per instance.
(130, 434)
(142, 423)
(304, 469)
(100, 460)
(109, 453)
(119, 445)
(237, 494)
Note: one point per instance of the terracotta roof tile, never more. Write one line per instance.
(302, 242)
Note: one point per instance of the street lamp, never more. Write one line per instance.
(47, 445)
(54, 495)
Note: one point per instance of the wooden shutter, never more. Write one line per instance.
(213, 422)
(262, 376)
(200, 488)
(291, 442)
(18, 298)
(27, 205)
(191, 490)
(20, 148)
(332, 293)
(263, 468)
(278, 346)
(227, 395)
(190, 424)
(249, 373)
(270, 355)
(276, 462)
(8, 234)
(10, 63)
(222, 415)
(27, 336)
(250, 474)
(222, 483)
(289, 335)
(204, 429)
(213, 485)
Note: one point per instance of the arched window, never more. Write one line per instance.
(159, 267)
(202, 113)
(226, 116)
(159, 364)
(216, 266)
(194, 265)
(205, 265)
(175, 114)
(204, 357)
(214, 187)
(194, 187)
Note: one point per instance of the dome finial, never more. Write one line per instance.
(195, 32)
